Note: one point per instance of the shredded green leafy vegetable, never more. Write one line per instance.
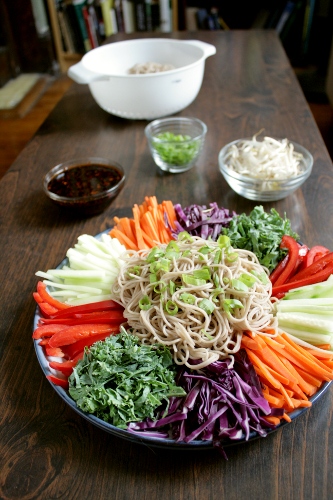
(260, 232)
(121, 380)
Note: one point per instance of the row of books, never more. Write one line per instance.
(85, 24)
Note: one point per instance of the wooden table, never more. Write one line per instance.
(47, 450)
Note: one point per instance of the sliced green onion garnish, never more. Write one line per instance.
(247, 280)
(184, 236)
(153, 278)
(218, 256)
(206, 305)
(160, 265)
(187, 253)
(232, 257)
(188, 298)
(144, 303)
(229, 304)
(171, 307)
(205, 250)
(189, 279)
(239, 285)
(223, 241)
(203, 273)
(216, 280)
(172, 287)
(206, 334)
(172, 250)
(261, 277)
(155, 254)
(216, 293)
(136, 270)
(160, 287)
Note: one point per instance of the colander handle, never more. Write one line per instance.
(208, 48)
(82, 75)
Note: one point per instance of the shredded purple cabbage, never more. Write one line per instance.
(202, 221)
(222, 403)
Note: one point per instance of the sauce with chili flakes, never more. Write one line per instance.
(84, 180)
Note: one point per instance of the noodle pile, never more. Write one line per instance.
(166, 300)
(149, 67)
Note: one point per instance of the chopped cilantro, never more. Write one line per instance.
(121, 380)
(260, 232)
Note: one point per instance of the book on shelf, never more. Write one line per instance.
(129, 16)
(92, 35)
(78, 6)
(165, 16)
(109, 17)
(69, 27)
(118, 8)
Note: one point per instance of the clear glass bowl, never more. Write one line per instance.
(84, 185)
(265, 189)
(176, 143)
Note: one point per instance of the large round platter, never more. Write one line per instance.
(145, 440)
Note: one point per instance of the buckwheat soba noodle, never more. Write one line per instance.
(195, 296)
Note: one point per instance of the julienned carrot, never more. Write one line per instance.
(288, 372)
(151, 224)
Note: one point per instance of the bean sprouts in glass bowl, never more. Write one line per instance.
(265, 169)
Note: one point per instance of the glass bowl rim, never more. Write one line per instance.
(83, 161)
(179, 119)
(307, 161)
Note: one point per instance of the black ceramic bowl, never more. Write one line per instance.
(84, 185)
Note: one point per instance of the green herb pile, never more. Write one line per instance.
(260, 232)
(121, 380)
(179, 151)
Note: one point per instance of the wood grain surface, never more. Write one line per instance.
(47, 450)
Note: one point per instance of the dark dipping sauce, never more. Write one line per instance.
(84, 181)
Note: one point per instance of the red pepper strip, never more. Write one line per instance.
(47, 330)
(41, 289)
(73, 349)
(103, 305)
(110, 317)
(67, 366)
(293, 252)
(278, 270)
(314, 268)
(58, 381)
(37, 298)
(44, 342)
(54, 351)
(74, 333)
(317, 277)
(46, 309)
(315, 253)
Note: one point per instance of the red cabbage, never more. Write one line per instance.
(222, 403)
(202, 221)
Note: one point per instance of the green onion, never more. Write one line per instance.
(172, 250)
(156, 253)
(239, 285)
(171, 307)
(189, 279)
(184, 236)
(262, 277)
(216, 293)
(205, 250)
(160, 265)
(206, 334)
(160, 287)
(144, 303)
(223, 241)
(229, 304)
(188, 298)
(248, 280)
(232, 257)
(136, 270)
(216, 280)
(153, 278)
(206, 305)
(203, 273)
(172, 287)
(218, 256)
(187, 253)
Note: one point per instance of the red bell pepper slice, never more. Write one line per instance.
(58, 381)
(47, 330)
(37, 298)
(110, 317)
(103, 305)
(314, 268)
(42, 291)
(73, 350)
(46, 309)
(54, 351)
(74, 333)
(310, 279)
(66, 367)
(314, 254)
(278, 270)
(293, 254)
